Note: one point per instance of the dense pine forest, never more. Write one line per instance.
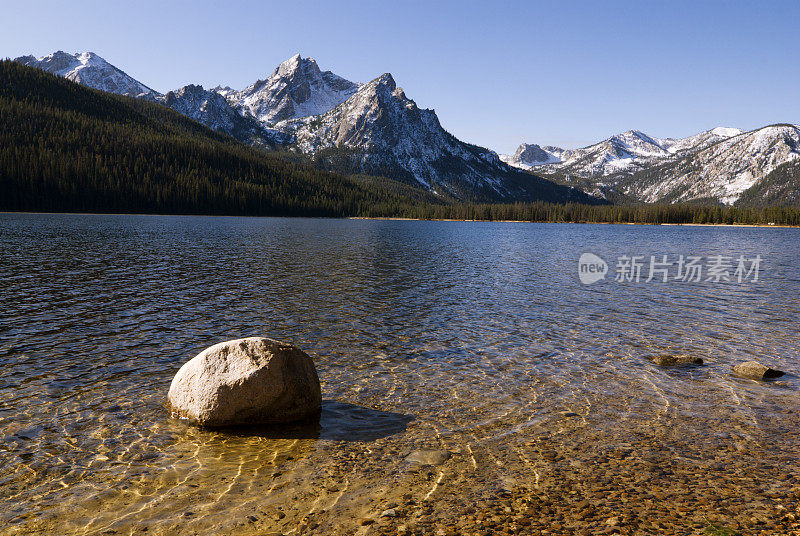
(634, 213)
(67, 148)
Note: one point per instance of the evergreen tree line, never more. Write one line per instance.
(633, 213)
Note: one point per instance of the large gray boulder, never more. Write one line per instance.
(246, 381)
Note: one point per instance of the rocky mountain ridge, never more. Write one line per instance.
(718, 165)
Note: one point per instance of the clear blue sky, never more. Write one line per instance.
(497, 73)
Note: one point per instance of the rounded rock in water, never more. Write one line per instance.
(756, 371)
(668, 360)
(244, 382)
(428, 457)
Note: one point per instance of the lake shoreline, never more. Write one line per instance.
(392, 218)
(399, 218)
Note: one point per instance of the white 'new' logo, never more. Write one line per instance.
(591, 268)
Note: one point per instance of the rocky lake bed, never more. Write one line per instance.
(469, 383)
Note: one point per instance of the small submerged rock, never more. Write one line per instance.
(245, 382)
(428, 457)
(756, 371)
(667, 360)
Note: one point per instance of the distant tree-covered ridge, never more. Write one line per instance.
(64, 147)
(629, 213)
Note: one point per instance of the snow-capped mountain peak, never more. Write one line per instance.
(376, 116)
(295, 63)
(700, 141)
(530, 155)
(635, 143)
(296, 88)
(226, 91)
(89, 69)
(207, 107)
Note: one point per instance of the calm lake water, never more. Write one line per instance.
(474, 338)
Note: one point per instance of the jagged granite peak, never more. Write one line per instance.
(532, 154)
(207, 107)
(380, 131)
(225, 91)
(386, 127)
(296, 88)
(89, 69)
(213, 110)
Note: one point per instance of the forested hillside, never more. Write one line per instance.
(780, 187)
(64, 147)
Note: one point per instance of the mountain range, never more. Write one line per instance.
(339, 125)
(721, 165)
(375, 129)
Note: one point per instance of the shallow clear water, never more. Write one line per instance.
(475, 338)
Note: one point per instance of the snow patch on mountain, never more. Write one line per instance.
(726, 132)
